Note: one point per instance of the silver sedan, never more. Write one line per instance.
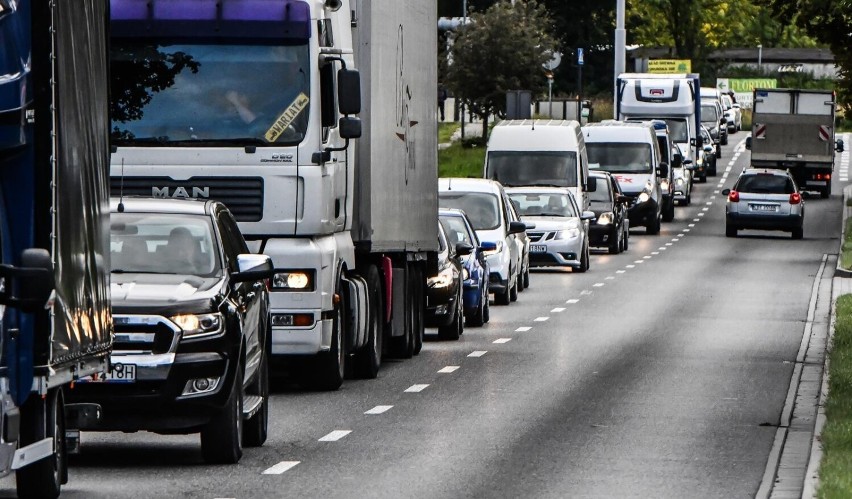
(764, 199)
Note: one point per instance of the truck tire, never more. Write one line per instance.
(43, 418)
(255, 429)
(825, 193)
(222, 437)
(329, 368)
(369, 358)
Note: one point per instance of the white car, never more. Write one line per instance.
(561, 236)
(488, 207)
(733, 113)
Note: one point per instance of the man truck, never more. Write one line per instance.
(794, 130)
(255, 103)
(55, 322)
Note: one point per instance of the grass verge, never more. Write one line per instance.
(836, 468)
(846, 249)
(459, 161)
(445, 131)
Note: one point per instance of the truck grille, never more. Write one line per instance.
(243, 196)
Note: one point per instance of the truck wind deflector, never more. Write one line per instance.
(249, 19)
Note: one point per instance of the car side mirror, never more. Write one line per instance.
(725, 192)
(677, 161)
(34, 280)
(253, 267)
(517, 227)
(529, 225)
(621, 198)
(663, 170)
(463, 249)
(736, 106)
(591, 185)
(839, 146)
(723, 121)
(588, 215)
(708, 149)
(487, 246)
(748, 143)
(687, 165)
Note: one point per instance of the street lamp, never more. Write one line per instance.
(760, 57)
(620, 49)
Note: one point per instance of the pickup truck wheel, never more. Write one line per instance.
(255, 428)
(43, 418)
(222, 437)
(369, 359)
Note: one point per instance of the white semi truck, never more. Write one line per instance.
(794, 129)
(254, 103)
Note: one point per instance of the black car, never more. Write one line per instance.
(444, 291)
(706, 165)
(610, 228)
(191, 312)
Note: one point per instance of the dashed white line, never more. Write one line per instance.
(477, 353)
(679, 235)
(639, 261)
(557, 310)
(701, 214)
(620, 271)
(668, 244)
(523, 329)
(280, 467)
(691, 225)
(572, 301)
(655, 252)
(586, 292)
(609, 278)
(715, 192)
(415, 388)
(502, 340)
(540, 319)
(674, 240)
(709, 203)
(448, 369)
(686, 230)
(598, 284)
(705, 209)
(647, 257)
(335, 435)
(379, 409)
(630, 266)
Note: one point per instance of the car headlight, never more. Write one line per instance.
(567, 234)
(293, 280)
(465, 274)
(497, 249)
(442, 280)
(664, 184)
(643, 197)
(679, 181)
(699, 160)
(197, 325)
(605, 218)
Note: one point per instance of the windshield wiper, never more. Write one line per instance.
(122, 271)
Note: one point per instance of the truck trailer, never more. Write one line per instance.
(55, 321)
(793, 129)
(258, 104)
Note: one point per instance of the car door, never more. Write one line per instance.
(516, 244)
(246, 295)
(619, 209)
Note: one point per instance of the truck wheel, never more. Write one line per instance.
(222, 437)
(43, 418)
(456, 328)
(329, 368)
(825, 193)
(255, 428)
(369, 359)
(417, 308)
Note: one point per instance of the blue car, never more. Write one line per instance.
(475, 266)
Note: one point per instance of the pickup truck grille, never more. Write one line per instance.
(138, 337)
(242, 195)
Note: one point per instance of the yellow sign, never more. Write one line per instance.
(287, 117)
(670, 66)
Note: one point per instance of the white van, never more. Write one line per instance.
(549, 153)
(630, 152)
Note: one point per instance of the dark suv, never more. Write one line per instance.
(611, 227)
(191, 312)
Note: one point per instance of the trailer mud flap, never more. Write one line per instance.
(32, 453)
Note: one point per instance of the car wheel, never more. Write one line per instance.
(478, 317)
(730, 231)
(255, 428)
(653, 227)
(688, 200)
(513, 293)
(668, 211)
(798, 233)
(503, 298)
(222, 437)
(584, 260)
(43, 418)
(486, 311)
(724, 142)
(455, 329)
(527, 277)
(626, 234)
(703, 179)
(369, 359)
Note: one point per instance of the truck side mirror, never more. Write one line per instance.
(748, 143)
(34, 291)
(350, 127)
(349, 91)
(839, 146)
(663, 170)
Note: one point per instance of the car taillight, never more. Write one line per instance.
(795, 198)
(734, 197)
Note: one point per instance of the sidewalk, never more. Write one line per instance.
(470, 130)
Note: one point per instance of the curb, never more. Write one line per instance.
(847, 213)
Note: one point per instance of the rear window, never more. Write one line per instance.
(481, 208)
(709, 114)
(602, 192)
(523, 168)
(765, 184)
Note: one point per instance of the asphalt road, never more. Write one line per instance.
(661, 372)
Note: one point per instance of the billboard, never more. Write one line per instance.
(742, 87)
(670, 66)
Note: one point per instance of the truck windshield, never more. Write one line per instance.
(524, 168)
(205, 94)
(619, 157)
(481, 208)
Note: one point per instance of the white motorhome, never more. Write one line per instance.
(539, 152)
(675, 98)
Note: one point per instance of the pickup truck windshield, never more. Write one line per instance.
(525, 168)
(204, 94)
(619, 157)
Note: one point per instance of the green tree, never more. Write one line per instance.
(501, 49)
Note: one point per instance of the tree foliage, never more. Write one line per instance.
(500, 49)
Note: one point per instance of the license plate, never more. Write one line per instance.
(764, 207)
(538, 248)
(120, 373)
(822, 183)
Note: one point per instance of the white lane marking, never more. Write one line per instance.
(572, 301)
(647, 257)
(540, 319)
(335, 435)
(415, 388)
(709, 203)
(448, 369)
(379, 409)
(598, 284)
(663, 248)
(609, 278)
(691, 225)
(477, 353)
(523, 329)
(502, 340)
(639, 261)
(705, 209)
(557, 310)
(630, 266)
(586, 292)
(620, 271)
(686, 230)
(674, 239)
(280, 467)
(715, 192)
(668, 244)
(701, 214)
(655, 252)
(679, 235)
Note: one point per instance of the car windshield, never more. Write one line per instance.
(155, 243)
(601, 194)
(535, 204)
(482, 208)
(664, 148)
(705, 136)
(197, 94)
(456, 230)
(709, 114)
(619, 157)
(765, 184)
(678, 129)
(521, 168)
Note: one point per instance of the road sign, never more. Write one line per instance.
(670, 66)
(554, 62)
(579, 57)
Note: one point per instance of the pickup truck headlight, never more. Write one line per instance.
(198, 325)
(644, 197)
(293, 280)
(605, 218)
(442, 280)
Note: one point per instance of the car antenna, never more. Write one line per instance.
(121, 190)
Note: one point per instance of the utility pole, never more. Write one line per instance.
(463, 107)
(620, 49)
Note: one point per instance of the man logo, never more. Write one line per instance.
(181, 193)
